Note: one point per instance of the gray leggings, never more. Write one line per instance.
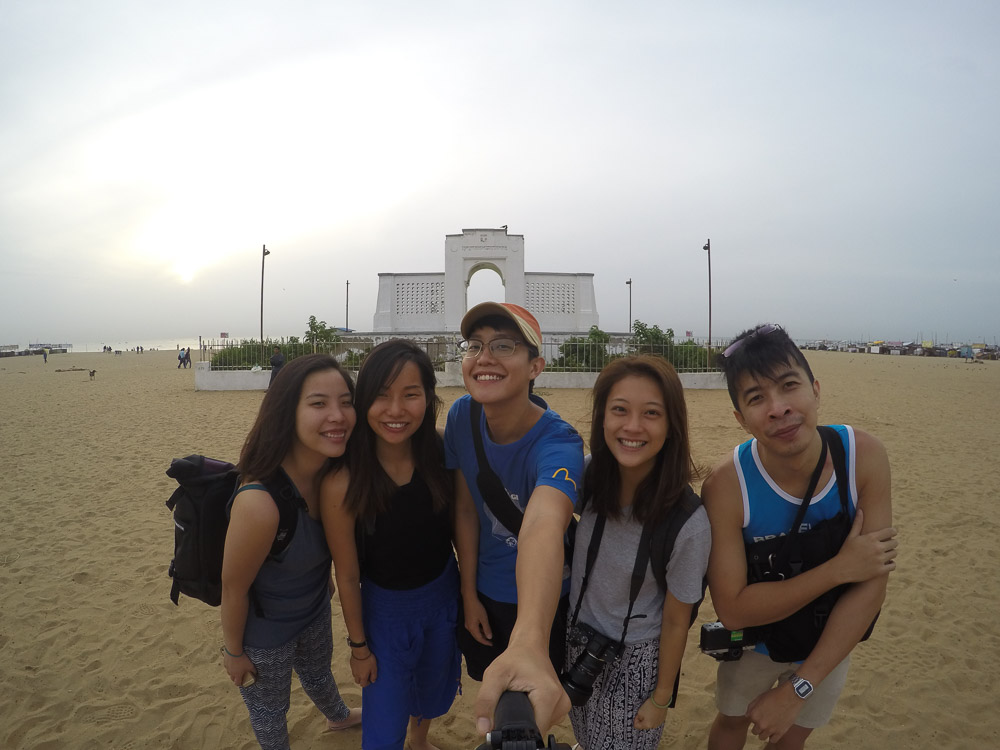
(267, 700)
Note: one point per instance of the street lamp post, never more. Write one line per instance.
(347, 309)
(264, 254)
(708, 249)
(629, 285)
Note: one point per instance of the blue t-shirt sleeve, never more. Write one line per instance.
(560, 464)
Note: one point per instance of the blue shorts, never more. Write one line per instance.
(412, 634)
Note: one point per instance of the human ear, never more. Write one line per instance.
(537, 365)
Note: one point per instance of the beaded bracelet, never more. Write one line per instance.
(360, 658)
(230, 653)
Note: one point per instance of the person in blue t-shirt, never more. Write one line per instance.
(514, 586)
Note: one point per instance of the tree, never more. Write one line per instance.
(581, 354)
(687, 356)
(319, 332)
(650, 339)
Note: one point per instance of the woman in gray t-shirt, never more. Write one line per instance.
(638, 475)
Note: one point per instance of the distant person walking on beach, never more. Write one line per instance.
(277, 362)
(812, 506)
(180, 358)
(387, 518)
(187, 358)
(45, 356)
(276, 612)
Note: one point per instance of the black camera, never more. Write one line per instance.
(516, 728)
(578, 680)
(727, 645)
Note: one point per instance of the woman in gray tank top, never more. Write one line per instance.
(276, 606)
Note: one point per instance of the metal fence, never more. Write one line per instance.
(571, 355)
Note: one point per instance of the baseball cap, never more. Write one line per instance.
(525, 321)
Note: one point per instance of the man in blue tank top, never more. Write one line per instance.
(756, 495)
(514, 585)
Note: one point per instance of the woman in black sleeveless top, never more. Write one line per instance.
(387, 518)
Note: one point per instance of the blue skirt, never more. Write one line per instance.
(412, 634)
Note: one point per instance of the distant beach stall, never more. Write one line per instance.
(15, 350)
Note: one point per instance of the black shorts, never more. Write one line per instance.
(502, 616)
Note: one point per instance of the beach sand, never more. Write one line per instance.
(94, 655)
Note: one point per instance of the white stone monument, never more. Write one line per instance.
(564, 303)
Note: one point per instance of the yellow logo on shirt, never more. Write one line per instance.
(566, 472)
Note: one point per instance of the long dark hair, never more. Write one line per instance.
(273, 433)
(371, 487)
(673, 469)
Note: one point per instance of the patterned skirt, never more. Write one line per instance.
(605, 722)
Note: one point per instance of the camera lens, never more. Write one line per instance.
(578, 682)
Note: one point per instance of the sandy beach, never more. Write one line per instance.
(94, 655)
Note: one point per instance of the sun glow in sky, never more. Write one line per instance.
(842, 153)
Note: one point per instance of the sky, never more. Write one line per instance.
(842, 158)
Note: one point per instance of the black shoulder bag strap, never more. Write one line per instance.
(665, 534)
(638, 571)
(490, 486)
(288, 500)
(839, 457)
(781, 557)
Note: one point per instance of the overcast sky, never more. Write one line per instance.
(842, 157)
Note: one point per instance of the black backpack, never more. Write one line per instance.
(200, 523)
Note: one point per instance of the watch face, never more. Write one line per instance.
(803, 688)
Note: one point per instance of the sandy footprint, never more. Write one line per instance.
(108, 714)
(9, 559)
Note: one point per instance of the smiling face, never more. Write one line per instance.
(325, 414)
(493, 380)
(635, 423)
(399, 408)
(781, 411)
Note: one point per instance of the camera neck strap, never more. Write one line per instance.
(781, 557)
(638, 569)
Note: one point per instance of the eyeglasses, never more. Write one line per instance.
(763, 330)
(499, 348)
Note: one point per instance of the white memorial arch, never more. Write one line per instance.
(564, 303)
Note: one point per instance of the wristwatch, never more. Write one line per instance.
(802, 687)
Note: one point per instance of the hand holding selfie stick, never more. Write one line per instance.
(515, 726)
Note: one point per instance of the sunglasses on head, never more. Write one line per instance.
(763, 330)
